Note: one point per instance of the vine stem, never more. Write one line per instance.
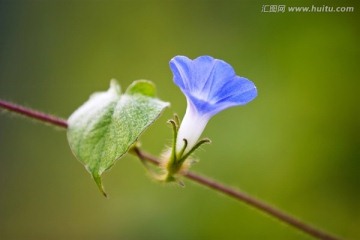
(202, 180)
(43, 117)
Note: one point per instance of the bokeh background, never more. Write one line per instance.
(296, 146)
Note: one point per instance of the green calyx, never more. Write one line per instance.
(178, 162)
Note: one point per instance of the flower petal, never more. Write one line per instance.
(202, 76)
(181, 67)
(210, 75)
(244, 93)
(203, 107)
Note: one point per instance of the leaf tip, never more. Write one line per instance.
(115, 86)
(97, 179)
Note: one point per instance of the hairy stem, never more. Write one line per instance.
(43, 117)
(205, 181)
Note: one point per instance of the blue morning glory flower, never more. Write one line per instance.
(210, 85)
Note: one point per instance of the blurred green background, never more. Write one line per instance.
(296, 146)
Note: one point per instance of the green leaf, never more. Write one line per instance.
(103, 129)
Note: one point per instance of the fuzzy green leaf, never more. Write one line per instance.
(103, 129)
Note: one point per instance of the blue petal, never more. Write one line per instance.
(202, 76)
(210, 75)
(243, 94)
(201, 106)
(239, 90)
(211, 85)
(181, 68)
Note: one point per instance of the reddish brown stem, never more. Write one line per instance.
(33, 114)
(217, 186)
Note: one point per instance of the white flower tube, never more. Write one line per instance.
(191, 129)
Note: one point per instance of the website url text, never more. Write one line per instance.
(311, 9)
